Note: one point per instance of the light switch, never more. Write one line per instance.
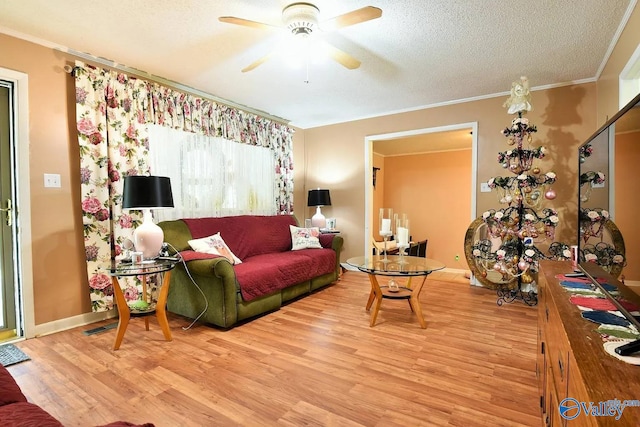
(484, 187)
(52, 180)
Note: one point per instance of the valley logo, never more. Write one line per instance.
(571, 408)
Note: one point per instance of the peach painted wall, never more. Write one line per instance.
(59, 271)
(608, 83)
(434, 191)
(626, 200)
(565, 117)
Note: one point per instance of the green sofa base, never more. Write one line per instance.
(224, 311)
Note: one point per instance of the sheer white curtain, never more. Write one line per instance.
(212, 176)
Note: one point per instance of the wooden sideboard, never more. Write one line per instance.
(572, 362)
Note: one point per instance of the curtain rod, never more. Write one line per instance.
(173, 84)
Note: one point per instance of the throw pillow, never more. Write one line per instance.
(214, 245)
(304, 238)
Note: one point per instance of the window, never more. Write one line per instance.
(212, 176)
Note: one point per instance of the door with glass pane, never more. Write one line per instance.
(8, 287)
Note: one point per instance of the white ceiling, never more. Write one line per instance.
(419, 53)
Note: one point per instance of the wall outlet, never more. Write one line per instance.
(597, 185)
(484, 187)
(52, 180)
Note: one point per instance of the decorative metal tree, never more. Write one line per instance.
(508, 254)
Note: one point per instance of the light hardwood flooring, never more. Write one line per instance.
(315, 362)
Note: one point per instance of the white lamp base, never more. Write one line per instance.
(318, 220)
(148, 237)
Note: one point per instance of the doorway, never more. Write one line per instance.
(417, 159)
(9, 315)
(16, 278)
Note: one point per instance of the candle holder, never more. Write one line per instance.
(402, 234)
(386, 216)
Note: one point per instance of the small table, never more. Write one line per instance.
(143, 269)
(329, 231)
(395, 266)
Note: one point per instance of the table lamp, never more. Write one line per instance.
(146, 193)
(319, 198)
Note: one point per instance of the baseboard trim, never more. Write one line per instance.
(73, 322)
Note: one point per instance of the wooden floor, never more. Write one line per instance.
(315, 362)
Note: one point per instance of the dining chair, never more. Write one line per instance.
(378, 247)
(418, 249)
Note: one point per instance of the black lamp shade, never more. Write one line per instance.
(147, 192)
(319, 198)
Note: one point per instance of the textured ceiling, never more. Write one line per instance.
(419, 53)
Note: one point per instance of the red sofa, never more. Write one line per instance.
(271, 273)
(16, 411)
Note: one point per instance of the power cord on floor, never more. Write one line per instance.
(206, 302)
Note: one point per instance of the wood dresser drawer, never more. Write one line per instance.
(572, 362)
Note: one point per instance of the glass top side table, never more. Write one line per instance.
(395, 266)
(142, 269)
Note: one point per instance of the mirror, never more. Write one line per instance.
(609, 173)
(614, 148)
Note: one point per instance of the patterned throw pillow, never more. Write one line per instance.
(214, 245)
(304, 238)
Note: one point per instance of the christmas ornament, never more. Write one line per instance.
(550, 194)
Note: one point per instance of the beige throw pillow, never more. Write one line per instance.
(304, 238)
(214, 245)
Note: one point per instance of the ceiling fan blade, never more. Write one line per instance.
(257, 63)
(245, 22)
(341, 57)
(357, 16)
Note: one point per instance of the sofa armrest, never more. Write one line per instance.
(213, 298)
(9, 390)
(219, 267)
(336, 244)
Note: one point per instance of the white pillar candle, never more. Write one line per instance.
(403, 236)
(386, 225)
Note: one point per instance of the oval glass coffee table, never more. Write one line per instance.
(396, 266)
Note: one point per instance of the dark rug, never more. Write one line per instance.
(10, 354)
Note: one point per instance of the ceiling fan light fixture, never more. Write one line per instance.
(298, 52)
(301, 18)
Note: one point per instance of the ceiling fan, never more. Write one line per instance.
(302, 20)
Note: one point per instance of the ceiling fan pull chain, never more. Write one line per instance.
(307, 66)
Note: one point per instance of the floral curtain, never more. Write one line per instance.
(113, 111)
(113, 143)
